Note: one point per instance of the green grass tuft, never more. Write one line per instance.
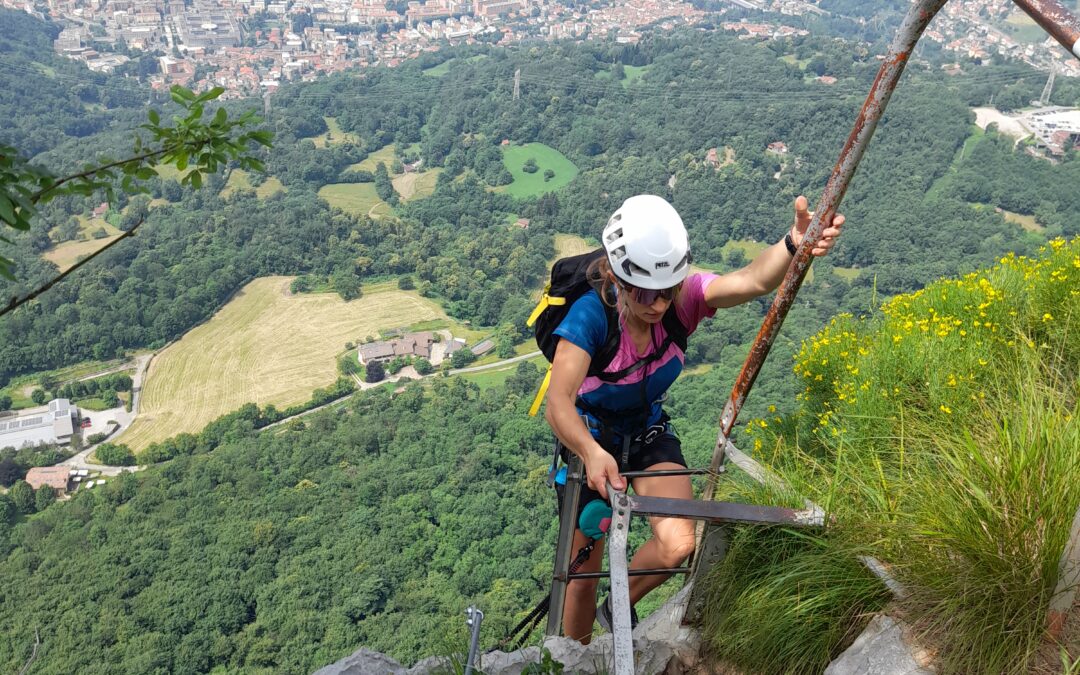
(784, 601)
(941, 436)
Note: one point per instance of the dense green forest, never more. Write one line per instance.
(282, 550)
(49, 99)
(698, 93)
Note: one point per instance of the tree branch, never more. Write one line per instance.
(112, 165)
(16, 302)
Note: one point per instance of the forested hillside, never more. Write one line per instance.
(49, 99)
(281, 552)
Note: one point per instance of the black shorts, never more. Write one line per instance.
(664, 447)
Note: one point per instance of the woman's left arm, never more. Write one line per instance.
(764, 274)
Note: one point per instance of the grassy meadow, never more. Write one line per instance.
(20, 387)
(941, 434)
(358, 199)
(416, 185)
(498, 376)
(241, 180)
(533, 184)
(632, 74)
(266, 346)
(333, 135)
(385, 154)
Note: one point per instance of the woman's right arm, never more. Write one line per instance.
(568, 371)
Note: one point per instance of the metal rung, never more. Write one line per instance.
(624, 507)
(720, 512)
(665, 472)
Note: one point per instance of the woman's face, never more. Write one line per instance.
(651, 311)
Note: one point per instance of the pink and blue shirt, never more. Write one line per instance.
(585, 325)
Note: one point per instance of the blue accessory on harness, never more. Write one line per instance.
(595, 519)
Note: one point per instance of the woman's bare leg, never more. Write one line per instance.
(673, 538)
(580, 609)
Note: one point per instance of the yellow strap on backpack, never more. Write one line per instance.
(545, 302)
(535, 408)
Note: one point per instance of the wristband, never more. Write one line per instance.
(790, 244)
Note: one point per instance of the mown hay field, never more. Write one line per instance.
(570, 244)
(241, 180)
(416, 185)
(65, 255)
(385, 154)
(266, 346)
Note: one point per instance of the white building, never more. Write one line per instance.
(1055, 127)
(56, 425)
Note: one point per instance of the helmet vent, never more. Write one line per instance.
(633, 270)
(682, 263)
(615, 235)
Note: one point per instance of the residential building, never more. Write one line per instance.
(55, 477)
(411, 344)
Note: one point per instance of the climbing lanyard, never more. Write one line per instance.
(540, 611)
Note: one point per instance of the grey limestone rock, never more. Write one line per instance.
(363, 662)
(880, 650)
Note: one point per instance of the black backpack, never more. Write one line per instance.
(569, 282)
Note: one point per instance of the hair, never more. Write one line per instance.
(599, 276)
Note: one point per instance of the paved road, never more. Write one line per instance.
(406, 372)
(121, 416)
(496, 365)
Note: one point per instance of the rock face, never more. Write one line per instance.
(661, 645)
(880, 650)
(658, 640)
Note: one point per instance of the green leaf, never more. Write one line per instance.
(210, 95)
(146, 173)
(154, 117)
(181, 94)
(196, 179)
(264, 138)
(7, 211)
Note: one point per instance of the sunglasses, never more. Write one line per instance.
(647, 296)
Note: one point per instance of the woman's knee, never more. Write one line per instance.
(582, 589)
(676, 543)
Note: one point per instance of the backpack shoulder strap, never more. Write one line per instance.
(603, 356)
(675, 328)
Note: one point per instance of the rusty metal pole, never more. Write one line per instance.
(918, 16)
(1056, 20)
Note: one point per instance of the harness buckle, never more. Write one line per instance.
(652, 433)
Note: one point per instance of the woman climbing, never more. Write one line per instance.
(615, 422)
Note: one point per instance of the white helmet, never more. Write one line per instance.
(646, 243)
